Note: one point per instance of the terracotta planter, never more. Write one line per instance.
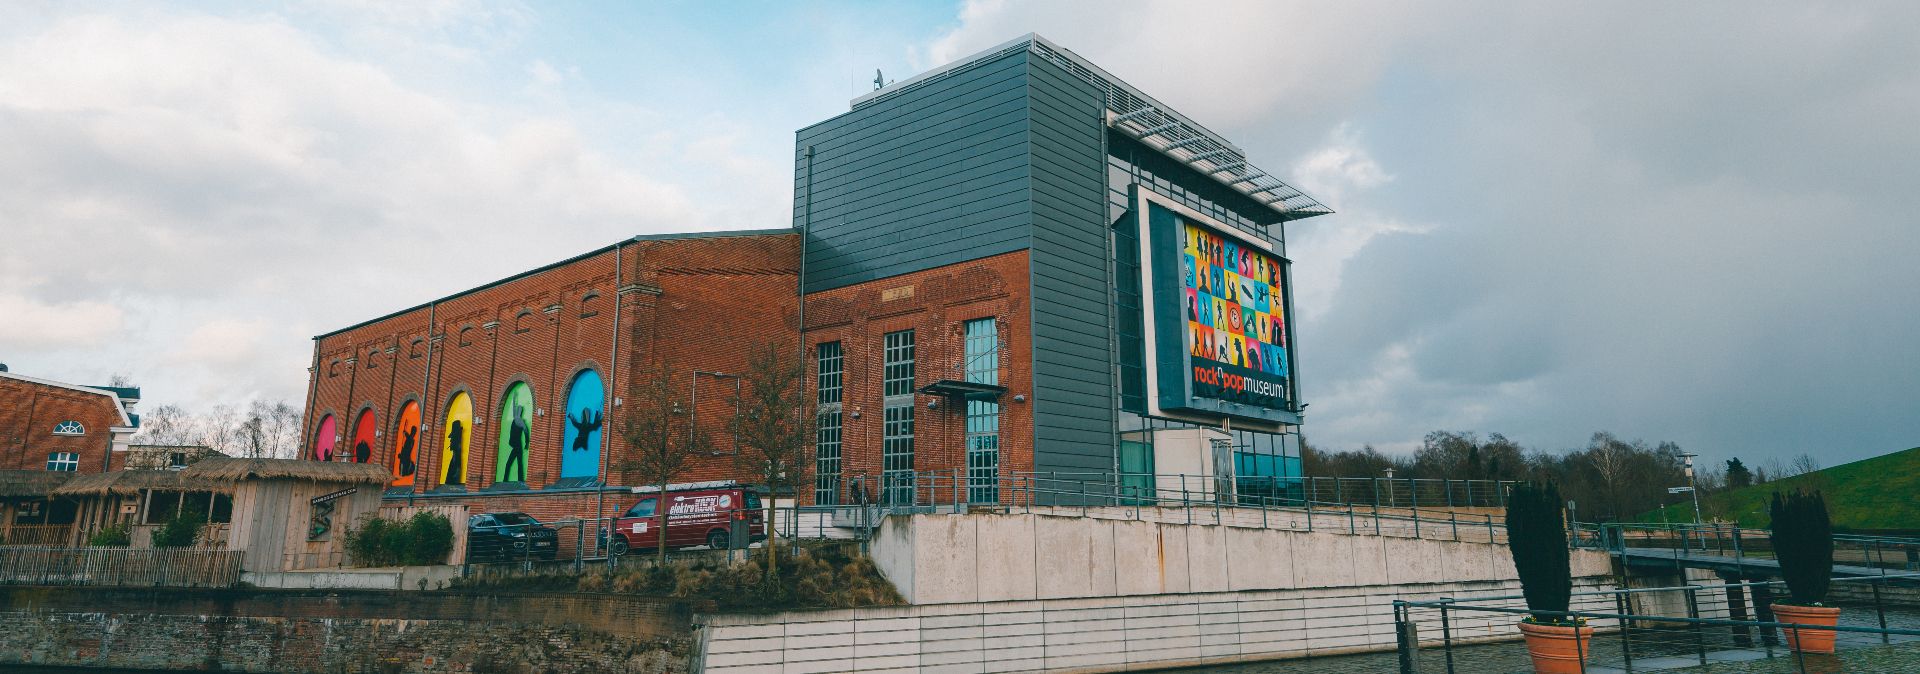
(1556, 649)
(1808, 640)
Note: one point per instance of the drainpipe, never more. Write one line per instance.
(613, 379)
(426, 383)
(313, 388)
(806, 228)
(800, 289)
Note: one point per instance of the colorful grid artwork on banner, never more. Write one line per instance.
(406, 445)
(1236, 317)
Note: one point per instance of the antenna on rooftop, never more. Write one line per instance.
(879, 81)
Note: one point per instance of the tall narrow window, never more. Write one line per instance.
(585, 424)
(826, 447)
(897, 434)
(983, 416)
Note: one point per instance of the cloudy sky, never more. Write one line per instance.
(1677, 222)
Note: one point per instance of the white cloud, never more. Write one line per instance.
(29, 324)
(1689, 222)
(236, 184)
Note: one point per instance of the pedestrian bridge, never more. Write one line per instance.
(1734, 552)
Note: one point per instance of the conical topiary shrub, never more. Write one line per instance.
(1537, 536)
(1803, 542)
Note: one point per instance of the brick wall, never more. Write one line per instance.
(698, 302)
(936, 304)
(30, 410)
(334, 631)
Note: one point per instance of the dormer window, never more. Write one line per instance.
(69, 427)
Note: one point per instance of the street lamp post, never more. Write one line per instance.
(1691, 487)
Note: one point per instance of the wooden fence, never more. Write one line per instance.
(36, 534)
(165, 567)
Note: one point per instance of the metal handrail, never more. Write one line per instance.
(1458, 601)
(926, 491)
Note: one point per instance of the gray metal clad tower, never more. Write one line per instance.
(1028, 147)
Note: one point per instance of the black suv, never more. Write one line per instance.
(510, 536)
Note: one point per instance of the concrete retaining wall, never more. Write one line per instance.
(1091, 634)
(937, 559)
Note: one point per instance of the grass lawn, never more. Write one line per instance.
(1878, 493)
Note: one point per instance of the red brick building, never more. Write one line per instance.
(56, 426)
(1010, 270)
(515, 361)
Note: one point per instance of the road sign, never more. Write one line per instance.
(1679, 490)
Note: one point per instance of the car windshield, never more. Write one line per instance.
(641, 509)
(753, 501)
(515, 519)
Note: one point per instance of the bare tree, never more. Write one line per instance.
(1804, 464)
(1778, 468)
(168, 425)
(1612, 458)
(278, 426)
(659, 438)
(775, 425)
(220, 428)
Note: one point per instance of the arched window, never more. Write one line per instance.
(373, 358)
(324, 439)
(524, 321)
(69, 427)
(406, 445)
(590, 304)
(585, 416)
(516, 433)
(456, 438)
(363, 437)
(466, 335)
(333, 368)
(415, 348)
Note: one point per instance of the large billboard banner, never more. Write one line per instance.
(1217, 310)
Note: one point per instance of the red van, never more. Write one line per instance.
(698, 513)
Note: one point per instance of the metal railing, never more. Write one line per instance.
(1669, 628)
(1677, 541)
(1436, 509)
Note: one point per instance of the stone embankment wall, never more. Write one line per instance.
(936, 559)
(1108, 634)
(999, 593)
(294, 632)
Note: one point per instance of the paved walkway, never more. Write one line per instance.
(1728, 563)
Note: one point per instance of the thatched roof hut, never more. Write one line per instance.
(30, 483)
(132, 482)
(230, 469)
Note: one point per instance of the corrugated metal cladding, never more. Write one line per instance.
(1073, 370)
(935, 176)
(1003, 156)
